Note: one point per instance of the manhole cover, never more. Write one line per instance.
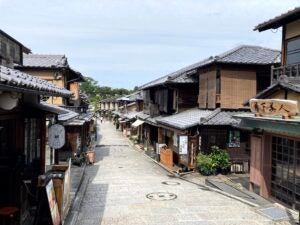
(275, 213)
(161, 196)
(170, 183)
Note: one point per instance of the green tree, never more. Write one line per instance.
(96, 93)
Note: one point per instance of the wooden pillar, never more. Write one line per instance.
(160, 136)
(265, 188)
(43, 144)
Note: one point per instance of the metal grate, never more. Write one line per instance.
(275, 213)
(170, 183)
(161, 196)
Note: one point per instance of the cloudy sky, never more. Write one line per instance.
(125, 43)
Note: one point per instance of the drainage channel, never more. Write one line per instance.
(112, 146)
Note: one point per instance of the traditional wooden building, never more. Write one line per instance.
(275, 138)
(22, 132)
(196, 105)
(172, 94)
(225, 82)
(56, 69)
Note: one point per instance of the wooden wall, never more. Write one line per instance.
(207, 90)
(49, 76)
(292, 29)
(236, 87)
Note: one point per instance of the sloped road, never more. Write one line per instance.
(121, 179)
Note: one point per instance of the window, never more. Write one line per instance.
(293, 51)
(285, 167)
(234, 139)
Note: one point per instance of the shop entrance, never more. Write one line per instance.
(285, 184)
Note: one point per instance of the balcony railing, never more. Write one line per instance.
(290, 71)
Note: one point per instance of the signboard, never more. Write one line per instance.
(56, 136)
(52, 203)
(272, 107)
(175, 139)
(67, 190)
(183, 145)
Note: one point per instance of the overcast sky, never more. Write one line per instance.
(125, 43)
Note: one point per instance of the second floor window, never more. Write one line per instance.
(293, 51)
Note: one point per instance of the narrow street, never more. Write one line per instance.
(122, 177)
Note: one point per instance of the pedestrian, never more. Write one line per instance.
(101, 119)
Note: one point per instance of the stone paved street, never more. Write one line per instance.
(121, 179)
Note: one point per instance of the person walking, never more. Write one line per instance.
(101, 119)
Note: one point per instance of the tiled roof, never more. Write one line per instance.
(75, 122)
(180, 76)
(45, 61)
(67, 116)
(153, 120)
(185, 119)
(130, 115)
(87, 116)
(280, 20)
(244, 54)
(142, 115)
(290, 84)
(222, 117)
(22, 82)
(136, 96)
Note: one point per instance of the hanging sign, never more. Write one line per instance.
(56, 136)
(272, 107)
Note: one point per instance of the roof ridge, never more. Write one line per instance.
(269, 21)
(234, 50)
(39, 54)
(157, 79)
(210, 116)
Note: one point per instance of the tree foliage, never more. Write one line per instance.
(96, 93)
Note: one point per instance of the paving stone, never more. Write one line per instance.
(117, 196)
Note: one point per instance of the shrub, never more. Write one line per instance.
(215, 162)
(205, 164)
(220, 159)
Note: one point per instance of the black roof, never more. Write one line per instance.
(243, 55)
(291, 84)
(280, 20)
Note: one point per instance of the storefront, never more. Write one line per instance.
(275, 155)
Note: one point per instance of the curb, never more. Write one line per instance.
(70, 215)
(81, 179)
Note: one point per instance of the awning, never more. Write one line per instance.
(44, 106)
(137, 123)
